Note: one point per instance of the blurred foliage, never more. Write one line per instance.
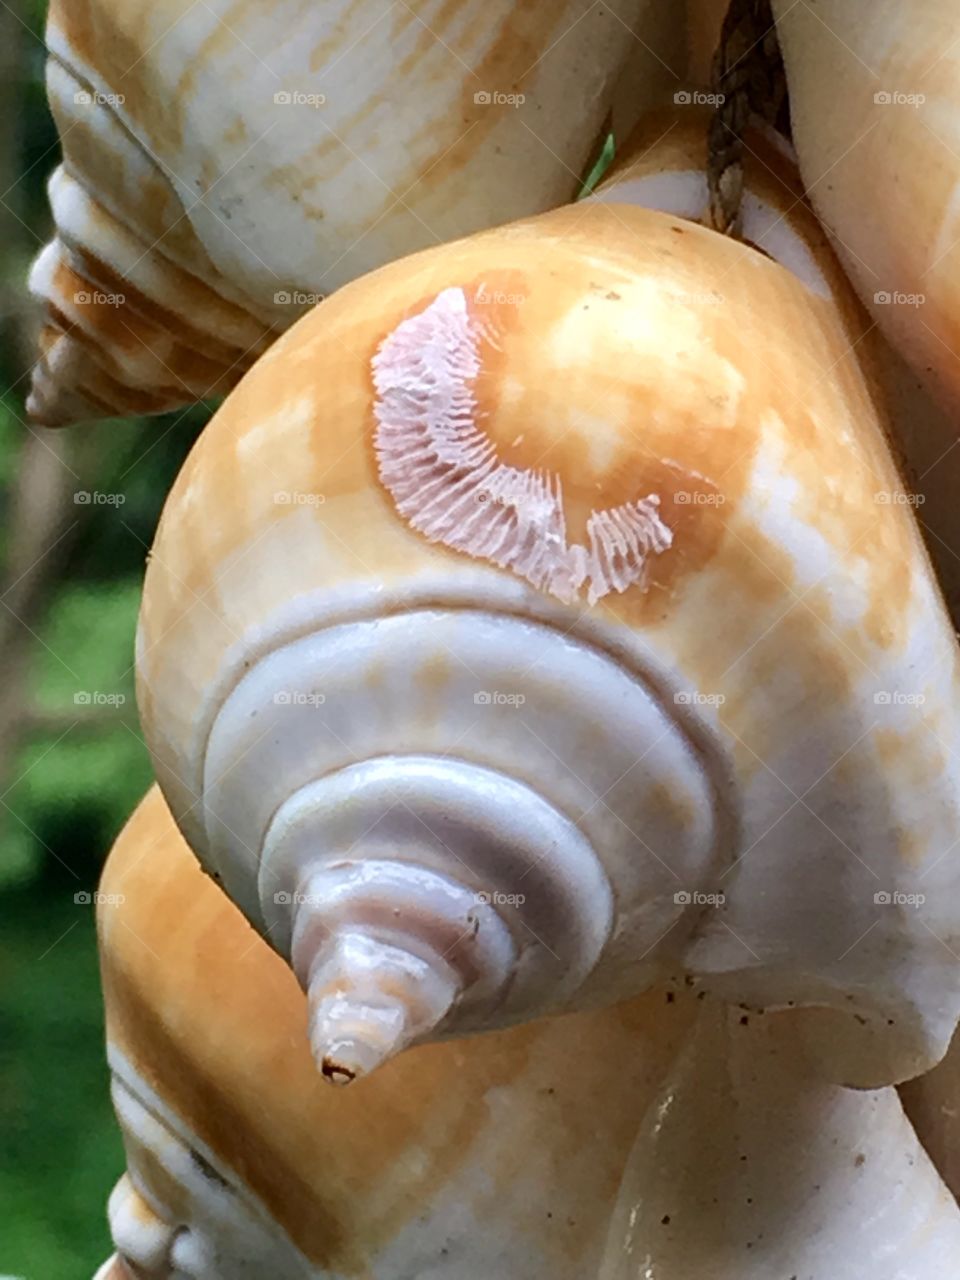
(82, 765)
(61, 1148)
(76, 763)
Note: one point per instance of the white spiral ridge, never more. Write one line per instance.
(451, 817)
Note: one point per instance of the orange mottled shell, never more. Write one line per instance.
(206, 1024)
(669, 1129)
(620, 355)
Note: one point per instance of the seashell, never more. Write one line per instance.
(874, 113)
(690, 1140)
(226, 165)
(497, 1156)
(933, 1104)
(567, 636)
(748, 1167)
(924, 429)
(662, 167)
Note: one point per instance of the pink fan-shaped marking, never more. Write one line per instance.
(446, 478)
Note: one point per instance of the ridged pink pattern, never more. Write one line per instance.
(446, 478)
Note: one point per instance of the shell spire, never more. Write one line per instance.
(668, 1132)
(493, 1156)
(539, 669)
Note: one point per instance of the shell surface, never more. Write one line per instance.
(874, 108)
(500, 1155)
(748, 1167)
(667, 1136)
(225, 165)
(933, 1104)
(585, 528)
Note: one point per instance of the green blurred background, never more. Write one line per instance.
(72, 762)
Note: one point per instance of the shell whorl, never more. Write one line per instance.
(226, 167)
(715, 792)
(126, 333)
(667, 1128)
(467, 831)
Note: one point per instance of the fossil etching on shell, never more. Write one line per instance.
(446, 478)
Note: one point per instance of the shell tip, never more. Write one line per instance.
(350, 1040)
(337, 1073)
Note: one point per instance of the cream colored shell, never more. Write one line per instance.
(747, 1168)
(744, 711)
(667, 1137)
(500, 1155)
(874, 107)
(933, 1104)
(226, 164)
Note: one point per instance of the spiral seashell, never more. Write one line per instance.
(498, 1156)
(665, 1136)
(541, 619)
(874, 113)
(226, 165)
